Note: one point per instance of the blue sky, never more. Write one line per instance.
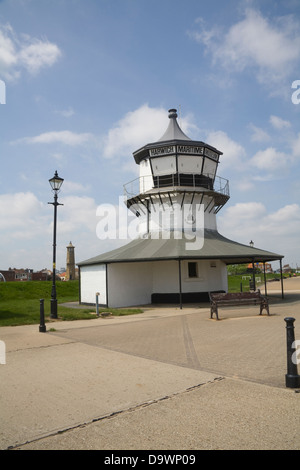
(90, 81)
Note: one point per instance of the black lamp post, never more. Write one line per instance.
(55, 184)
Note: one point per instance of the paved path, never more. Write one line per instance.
(165, 379)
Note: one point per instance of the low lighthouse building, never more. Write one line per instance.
(178, 256)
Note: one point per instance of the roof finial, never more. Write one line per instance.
(172, 113)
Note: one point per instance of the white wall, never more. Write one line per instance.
(129, 284)
(165, 277)
(170, 216)
(212, 275)
(92, 280)
(146, 178)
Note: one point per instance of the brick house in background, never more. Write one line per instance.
(8, 275)
(260, 266)
(13, 274)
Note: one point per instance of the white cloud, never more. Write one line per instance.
(24, 52)
(244, 184)
(258, 135)
(37, 55)
(71, 187)
(272, 48)
(279, 123)
(79, 213)
(18, 209)
(233, 152)
(205, 36)
(137, 128)
(296, 146)
(277, 231)
(57, 156)
(134, 130)
(62, 137)
(66, 112)
(249, 211)
(239, 222)
(270, 159)
(27, 229)
(8, 55)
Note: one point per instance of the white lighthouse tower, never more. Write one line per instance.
(178, 256)
(178, 190)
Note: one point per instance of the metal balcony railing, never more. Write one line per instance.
(207, 182)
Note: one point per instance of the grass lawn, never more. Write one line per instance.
(20, 303)
(235, 281)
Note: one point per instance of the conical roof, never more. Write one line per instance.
(173, 137)
(173, 131)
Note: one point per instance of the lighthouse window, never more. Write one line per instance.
(193, 269)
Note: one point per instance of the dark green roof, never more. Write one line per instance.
(215, 247)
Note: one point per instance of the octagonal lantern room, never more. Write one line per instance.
(177, 170)
(175, 159)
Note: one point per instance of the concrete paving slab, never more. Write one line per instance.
(48, 389)
(224, 415)
(164, 379)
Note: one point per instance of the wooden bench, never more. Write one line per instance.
(237, 298)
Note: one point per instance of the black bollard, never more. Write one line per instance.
(97, 303)
(42, 327)
(292, 379)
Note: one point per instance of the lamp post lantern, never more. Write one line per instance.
(55, 184)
